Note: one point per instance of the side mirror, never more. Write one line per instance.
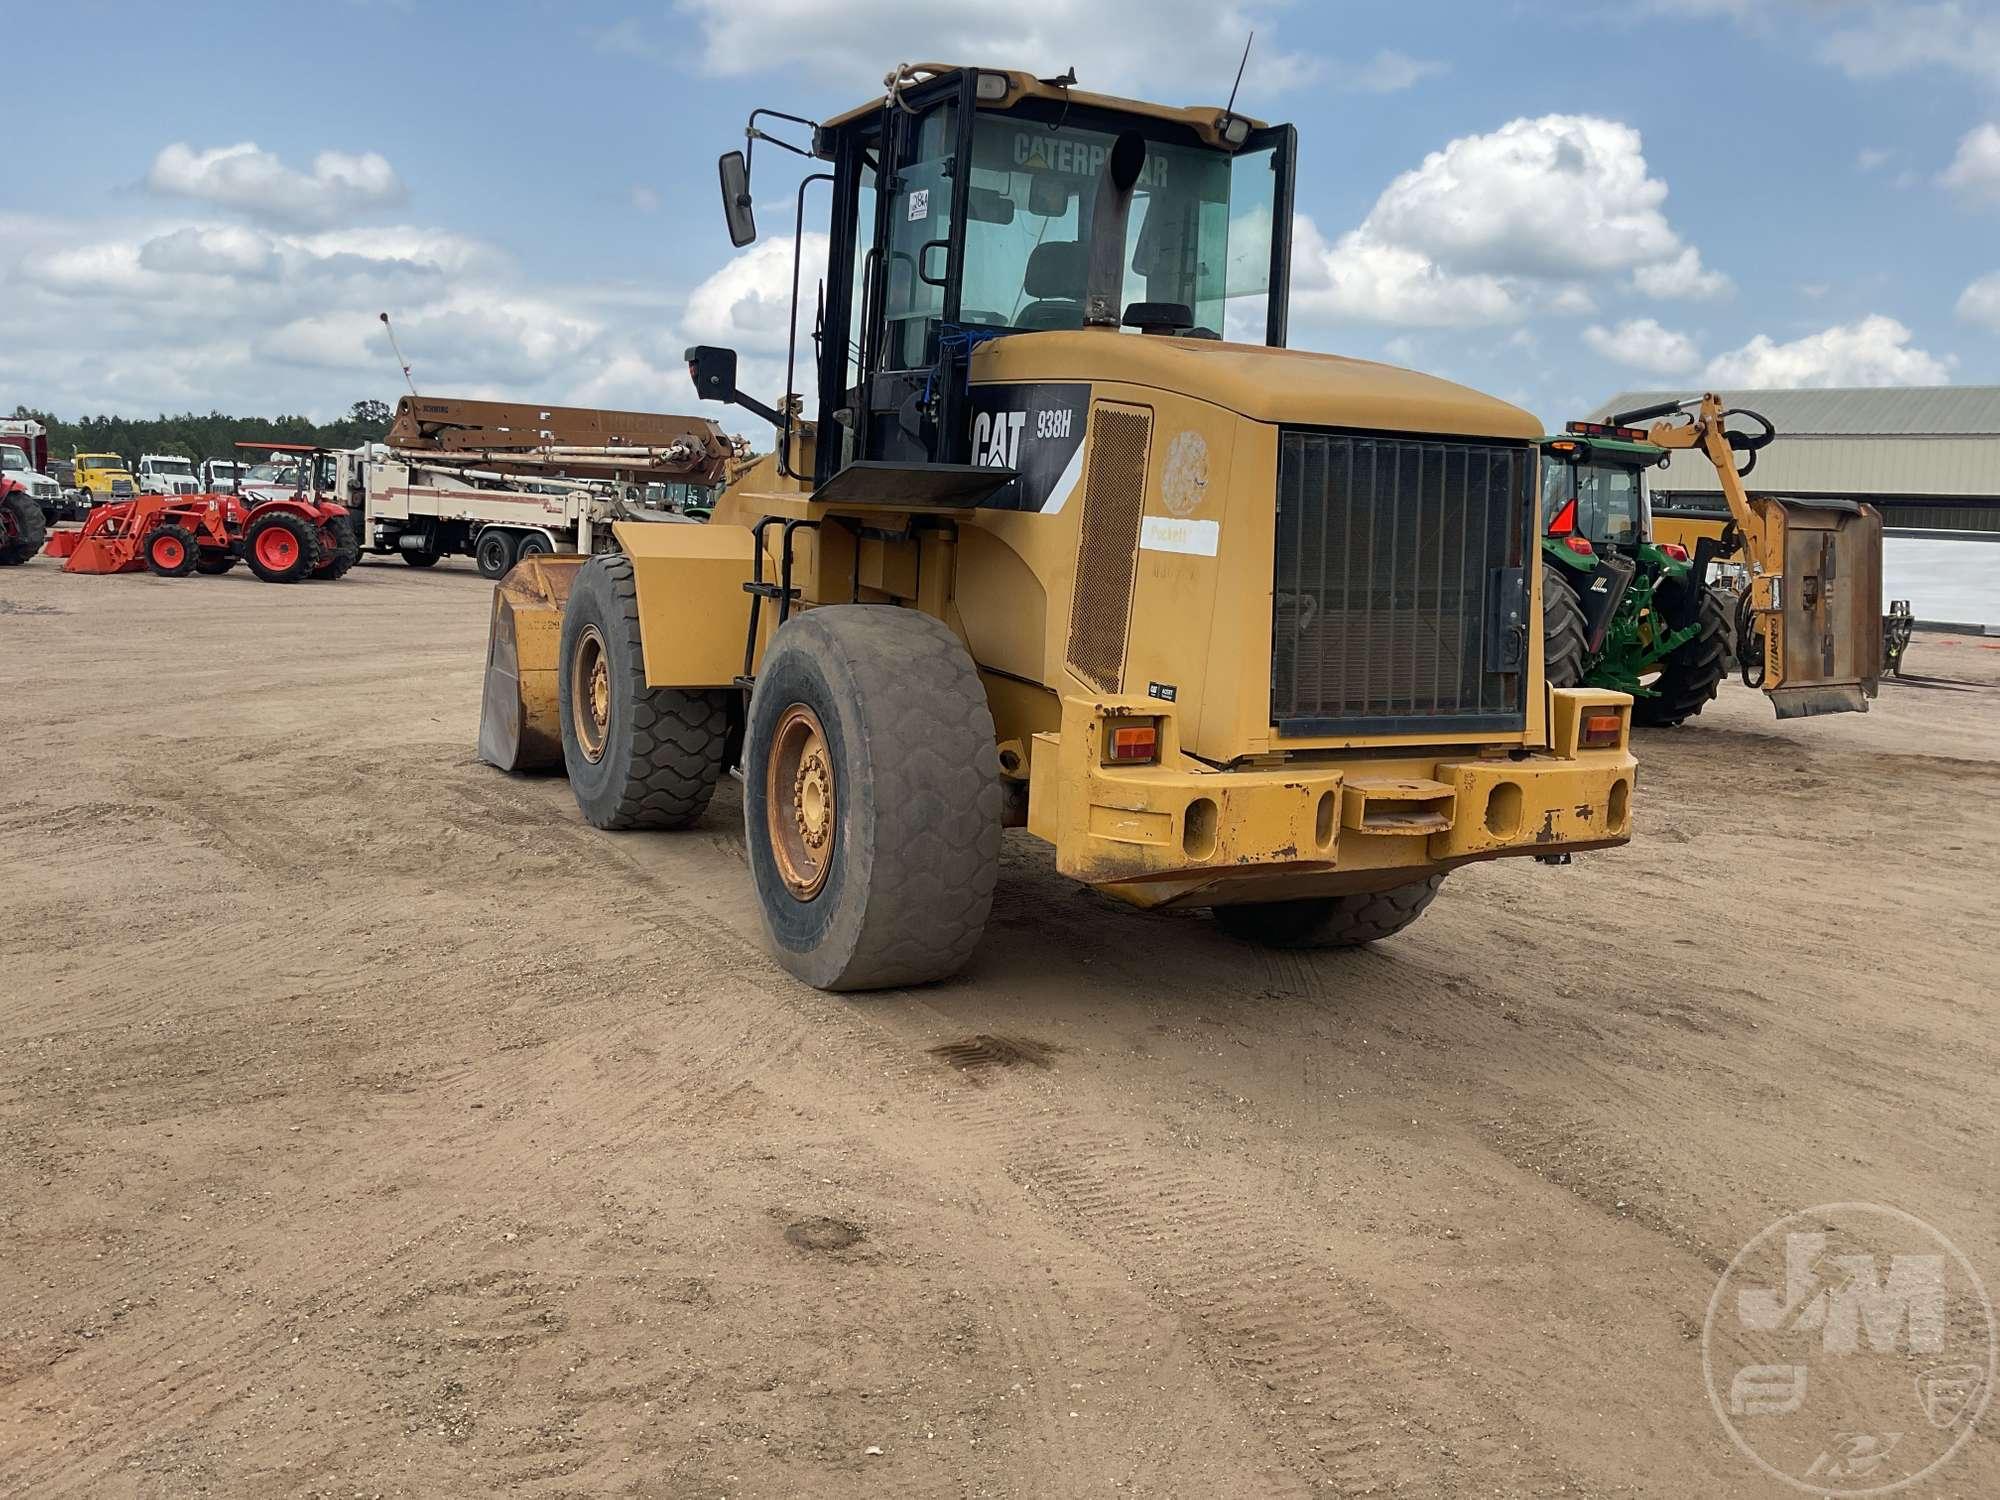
(736, 210)
(713, 371)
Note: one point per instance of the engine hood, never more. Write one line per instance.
(1289, 386)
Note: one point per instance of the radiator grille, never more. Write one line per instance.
(1400, 599)
(1107, 552)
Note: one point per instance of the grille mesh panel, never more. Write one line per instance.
(1389, 560)
(1107, 552)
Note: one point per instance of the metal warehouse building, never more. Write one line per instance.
(1927, 457)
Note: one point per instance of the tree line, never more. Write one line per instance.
(196, 437)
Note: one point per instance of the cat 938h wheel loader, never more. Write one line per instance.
(1062, 537)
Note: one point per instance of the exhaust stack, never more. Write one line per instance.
(1104, 284)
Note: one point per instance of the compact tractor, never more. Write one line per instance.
(1059, 536)
(1633, 612)
(22, 522)
(285, 538)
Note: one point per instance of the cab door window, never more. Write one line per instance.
(919, 234)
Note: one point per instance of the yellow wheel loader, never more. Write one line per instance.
(1059, 535)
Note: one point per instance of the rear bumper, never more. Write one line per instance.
(1181, 832)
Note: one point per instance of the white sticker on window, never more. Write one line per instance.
(1168, 534)
(920, 204)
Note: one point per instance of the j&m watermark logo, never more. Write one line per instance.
(1850, 1349)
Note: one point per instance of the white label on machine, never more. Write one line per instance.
(1170, 534)
(920, 204)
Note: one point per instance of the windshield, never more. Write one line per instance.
(1607, 499)
(173, 466)
(99, 461)
(1199, 234)
(273, 474)
(12, 458)
(225, 470)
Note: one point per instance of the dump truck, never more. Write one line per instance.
(1227, 625)
(1632, 610)
(103, 476)
(500, 481)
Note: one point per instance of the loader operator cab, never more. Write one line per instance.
(971, 204)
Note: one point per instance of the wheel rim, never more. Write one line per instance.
(277, 548)
(168, 552)
(590, 694)
(800, 810)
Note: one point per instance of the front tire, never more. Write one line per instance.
(637, 756)
(1689, 677)
(171, 551)
(1565, 652)
(871, 798)
(1329, 921)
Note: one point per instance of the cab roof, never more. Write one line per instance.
(1205, 120)
(1618, 450)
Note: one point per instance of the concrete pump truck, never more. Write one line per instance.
(1059, 535)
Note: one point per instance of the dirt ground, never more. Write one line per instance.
(370, 1126)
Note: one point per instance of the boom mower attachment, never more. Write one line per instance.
(1809, 627)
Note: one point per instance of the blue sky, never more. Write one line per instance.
(1550, 202)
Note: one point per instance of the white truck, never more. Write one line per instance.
(422, 512)
(499, 481)
(24, 460)
(167, 474)
(220, 476)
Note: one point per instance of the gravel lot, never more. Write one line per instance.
(371, 1126)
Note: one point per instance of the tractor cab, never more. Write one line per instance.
(968, 204)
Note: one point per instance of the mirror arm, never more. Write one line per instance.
(792, 334)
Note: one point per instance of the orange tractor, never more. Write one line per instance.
(287, 531)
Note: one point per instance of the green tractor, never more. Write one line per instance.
(1620, 609)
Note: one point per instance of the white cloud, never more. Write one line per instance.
(1682, 277)
(1975, 171)
(1871, 157)
(1115, 45)
(1875, 350)
(1642, 344)
(1980, 302)
(1893, 36)
(747, 304)
(1559, 195)
(254, 182)
(1526, 219)
(1362, 279)
(1386, 72)
(645, 199)
(225, 250)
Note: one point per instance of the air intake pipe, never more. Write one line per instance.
(1104, 284)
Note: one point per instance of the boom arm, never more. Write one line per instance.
(572, 441)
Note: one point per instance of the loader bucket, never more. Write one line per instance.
(520, 728)
(1822, 617)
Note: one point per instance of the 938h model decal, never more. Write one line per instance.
(1037, 429)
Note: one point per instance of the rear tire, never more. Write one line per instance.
(281, 547)
(1689, 677)
(22, 528)
(494, 552)
(421, 559)
(1329, 921)
(533, 544)
(170, 551)
(877, 725)
(346, 550)
(1565, 653)
(637, 756)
